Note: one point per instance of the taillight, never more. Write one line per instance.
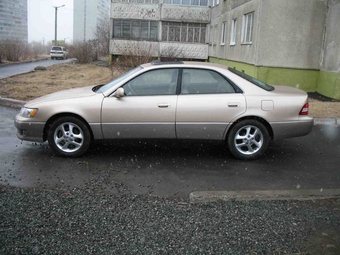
(304, 110)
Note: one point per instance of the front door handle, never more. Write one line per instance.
(163, 105)
(233, 104)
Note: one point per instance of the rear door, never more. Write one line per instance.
(147, 110)
(206, 105)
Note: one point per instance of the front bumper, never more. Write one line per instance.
(29, 131)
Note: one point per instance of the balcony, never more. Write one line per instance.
(159, 49)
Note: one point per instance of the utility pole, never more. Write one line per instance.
(55, 22)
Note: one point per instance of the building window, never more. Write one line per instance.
(135, 29)
(233, 32)
(223, 32)
(217, 2)
(187, 2)
(135, 1)
(247, 28)
(183, 32)
(212, 3)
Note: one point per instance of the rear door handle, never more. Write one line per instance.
(233, 104)
(163, 105)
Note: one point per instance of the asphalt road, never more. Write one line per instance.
(166, 168)
(9, 70)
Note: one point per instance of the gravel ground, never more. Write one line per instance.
(87, 222)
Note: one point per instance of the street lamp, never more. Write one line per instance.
(55, 22)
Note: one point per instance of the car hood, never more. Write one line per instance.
(65, 94)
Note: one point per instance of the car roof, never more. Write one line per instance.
(183, 64)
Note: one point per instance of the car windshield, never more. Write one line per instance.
(56, 48)
(257, 82)
(117, 80)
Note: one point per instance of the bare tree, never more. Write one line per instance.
(134, 53)
(83, 51)
(14, 49)
(37, 48)
(2, 50)
(102, 34)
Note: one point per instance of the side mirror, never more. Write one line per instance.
(119, 93)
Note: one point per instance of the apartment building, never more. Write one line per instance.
(13, 20)
(294, 43)
(87, 14)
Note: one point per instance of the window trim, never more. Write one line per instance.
(198, 37)
(223, 33)
(233, 32)
(247, 28)
(231, 83)
(151, 24)
(151, 70)
(191, 2)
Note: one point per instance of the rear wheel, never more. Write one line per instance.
(248, 139)
(69, 137)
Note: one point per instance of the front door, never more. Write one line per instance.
(147, 110)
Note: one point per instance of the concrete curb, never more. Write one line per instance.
(326, 121)
(8, 102)
(262, 195)
(23, 62)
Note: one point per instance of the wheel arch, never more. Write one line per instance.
(64, 114)
(263, 121)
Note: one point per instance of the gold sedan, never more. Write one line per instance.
(169, 100)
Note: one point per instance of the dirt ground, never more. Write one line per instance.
(58, 77)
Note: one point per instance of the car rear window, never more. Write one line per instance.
(251, 79)
(56, 48)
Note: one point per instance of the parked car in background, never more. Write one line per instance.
(174, 100)
(59, 52)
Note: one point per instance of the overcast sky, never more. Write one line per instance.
(41, 20)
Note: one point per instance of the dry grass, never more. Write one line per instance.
(320, 109)
(58, 77)
(64, 76)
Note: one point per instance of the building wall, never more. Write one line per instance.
(285, 34)
(87, 15)
(329, 79)
(226, 11)
(295, 43)
(13, 20)
(290, 33)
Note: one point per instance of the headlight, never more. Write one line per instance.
(28, 112)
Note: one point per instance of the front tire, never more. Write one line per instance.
(69, 137)
(248, 139)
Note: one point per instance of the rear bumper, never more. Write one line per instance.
(29, 131)
(291, 129)
(55, 55)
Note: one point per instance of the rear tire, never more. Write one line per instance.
(69, 137)
(248, 139)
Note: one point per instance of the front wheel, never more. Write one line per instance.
(248, 139)
(69, 137)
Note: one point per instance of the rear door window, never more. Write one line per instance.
(201, 81)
